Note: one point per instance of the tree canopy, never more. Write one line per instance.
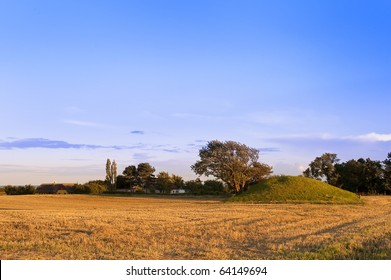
(232, 162)
(323, 167)
(360, 176)
(111, 174)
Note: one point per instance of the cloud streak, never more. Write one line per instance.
(369, 137)
(374, 137)
(30, 143)
(82, 123)
(43, 143)
(138, 132)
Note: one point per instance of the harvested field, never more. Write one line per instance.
(104, 227)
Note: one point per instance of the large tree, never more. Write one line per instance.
(141, 176)
(145, 174)
(111, 174)
(362, 176)
(130, 174)
(164, 182)
(108, 171)
(177, 181)
(323, 168)
(234, 163)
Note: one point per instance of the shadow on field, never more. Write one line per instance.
(13, 209)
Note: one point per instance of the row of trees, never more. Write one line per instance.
(141, 178)
(234, 165)
(92, 187)
(360, 176)
(19, 190)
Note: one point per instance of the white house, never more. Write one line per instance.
(178, 191)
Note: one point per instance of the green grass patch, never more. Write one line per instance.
(358, 248)
(295, 189)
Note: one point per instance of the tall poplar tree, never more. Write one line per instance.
(111, 174)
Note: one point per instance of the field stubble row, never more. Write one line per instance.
(97, 227)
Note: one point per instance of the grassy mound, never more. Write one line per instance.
(291, 189)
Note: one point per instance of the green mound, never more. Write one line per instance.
(291, 189)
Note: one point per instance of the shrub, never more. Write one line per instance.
(209, 187)
(80, 189)
(194, 186)
(19, 190)
(92, 187)
(213, 187)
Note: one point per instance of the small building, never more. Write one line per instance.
(62, 191)
(55, 188)
(178, 191)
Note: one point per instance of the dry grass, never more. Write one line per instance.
(97, 227)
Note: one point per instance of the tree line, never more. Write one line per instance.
(142, 179)
(19, 190)
(234, 166)
(361, 175)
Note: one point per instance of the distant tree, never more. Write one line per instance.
(362, 176)
(19, 190)
(151, 183)
(232, 162)
(374, 176)
(81, 189)
(111, 174)
(108, 171)
(323, 168)
(131, 176)
(94, 187)
(387, 173)
(194, 186)
(164, 182)
(213, 187)
(145, 174)
(122, 182)
(351, 176)
(114, 174)
(177, 181)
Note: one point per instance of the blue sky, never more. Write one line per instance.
(153, 81)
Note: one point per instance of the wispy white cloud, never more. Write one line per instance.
(203, 117)
(41, 143)
(374, 137)
(30, 143)
(82, 123)
(73, 110)
(369, 137)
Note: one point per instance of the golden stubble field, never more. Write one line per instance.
(103, 227)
